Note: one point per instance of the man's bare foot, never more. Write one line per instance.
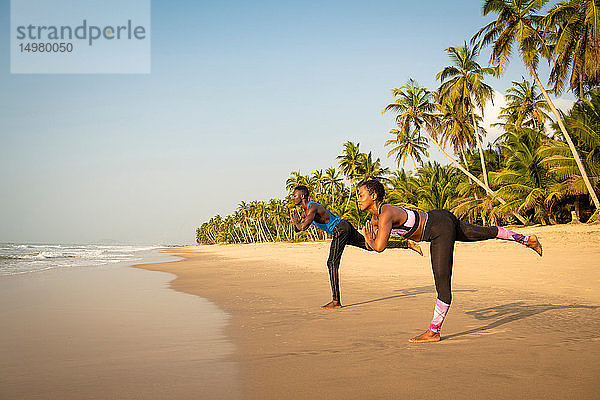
(534, 243)
(332, 304)
(426, 337)
(415, 247)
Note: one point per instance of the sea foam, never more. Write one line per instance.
(20, 258)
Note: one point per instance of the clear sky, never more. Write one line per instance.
(240, 94)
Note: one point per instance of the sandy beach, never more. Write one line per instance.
(244, 322)
(520, 326)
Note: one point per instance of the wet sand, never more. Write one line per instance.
(110, 332)
(520, 326)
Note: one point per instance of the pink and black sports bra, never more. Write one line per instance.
(408, 227)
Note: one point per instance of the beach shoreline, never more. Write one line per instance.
(519, 325)
(110, 331)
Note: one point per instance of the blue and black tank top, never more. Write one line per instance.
(332, 223)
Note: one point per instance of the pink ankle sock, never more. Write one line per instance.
(439, 313)
(507, 234)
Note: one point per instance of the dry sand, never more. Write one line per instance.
(520, 326)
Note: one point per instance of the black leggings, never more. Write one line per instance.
(442, 230)
(344, 233)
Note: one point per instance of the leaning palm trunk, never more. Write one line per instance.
(273, 239)
(251, 238)
(277, 234)
(462, 153)
(464, 158)
(266, 229)
(240, 235)
(576, 220)
(262, 231)
(278, 238)
(586, 180)
(314, 233)
(311, 236)
(483, 168)
(481, 158)
(350, 194)
(470, 175)
(259, 233)
(248, 232)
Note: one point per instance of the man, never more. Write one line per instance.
(441, 228)
(343, 233)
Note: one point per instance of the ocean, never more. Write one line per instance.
(23, 258)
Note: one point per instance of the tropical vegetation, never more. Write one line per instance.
(543, 169)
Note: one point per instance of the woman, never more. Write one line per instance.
(343, 234)
(439, 227)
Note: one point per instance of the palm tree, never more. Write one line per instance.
(332, 181)
(525, 181)
(414, 109)
(517, 22)
(408, 145)
(471, 204)
(262, 215)
(296, 178)
(454, 128)
(318, 180)
(214, 227)
(463, 84)
(369, 169)
(349, 162)
(279, 216)
(574, 26)
(252, 213)
(437, 186)
(524, 107)
(354, 215)
(240, 221)
(244, 210)
(229, 225)
(403, 189)
(584, 122)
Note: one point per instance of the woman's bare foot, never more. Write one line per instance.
(426, 337)
(534, 243)
(415, 247)
(332, 304)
